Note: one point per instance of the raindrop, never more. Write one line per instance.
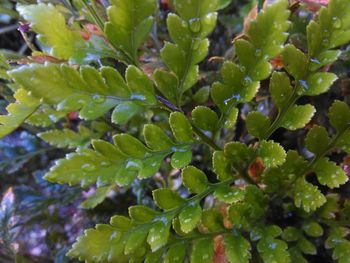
(336, 22)
(258, 53)
(98, 98)
(87, 167)
(325, 42)
(242, 68)
(195, 25)
(247, 81)
(304, 84)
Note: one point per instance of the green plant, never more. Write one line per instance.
(255, 177)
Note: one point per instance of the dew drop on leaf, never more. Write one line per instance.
(98, 98)
(195, 25)
(87, 167)
(336, 22)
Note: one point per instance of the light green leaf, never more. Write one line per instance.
(129, 24)
(18, 112)
(257, 124)
(273, 250)
(339, 115)
(202, 95)
(167, 199)
(291, 234)
(194, 179)
(229, 195)
(307, 247)
(272, 153)
(237, 249)
(158, 235)
(316, 135)
(135, 241)
(203, 251)
(167, 84)
(130, 145)
(142, 214)
(176, 253)
(280, 89)
(307, 196)
(298, 116)
(50, 24)
(189, 9)
(295, 62)
(181, 158)
(318, 83)
(268, 32)
(238, 154)
(330, 174)
(221, 166)
(124, 112)
(181, 127)
(156, 138)
(313, 229)
(190, 217)
(204, 118)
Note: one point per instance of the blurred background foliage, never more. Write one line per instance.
(38, 220)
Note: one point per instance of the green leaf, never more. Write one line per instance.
(307, 196)
(129, 24)
(130, 145)
(272, 153)
(203, 251)
(50, 24)
(342, 252)
(298, 116)
(325, 58)
(313, 229)
(190, 217)
(257, 124)
(100, 243)
(316, 135)
(307, 247)
(69, 91)
(194, 179)
(221, 166)
(158, 235)
(268, 32)
(181, 127)
(195, 8)
(156, 138)
(212, 219)
(318, 83)
(229, 195)
(291, 234)
(238, 154)
(204, 118)
(135, 241)
(167, 84)
(202, 95)
(273, 250)
(237, 249)
(280, 89)
(68, 138)
(181, 158)
(167, 199)
(176, 253)
(295, 62)
(142, 214)
(330, 174)
(124, 112)
(339, 115)
(96, 198)
(18, 112)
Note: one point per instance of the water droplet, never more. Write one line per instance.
(106, 163)
(336, 22)
(325, 42)
(242, 68)
(304, 84)
(258, 53)
(98, 98)
(195, 25)
(326, 33)
(87, 167)
(247, 81)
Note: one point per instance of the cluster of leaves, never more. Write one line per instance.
(255, 175)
